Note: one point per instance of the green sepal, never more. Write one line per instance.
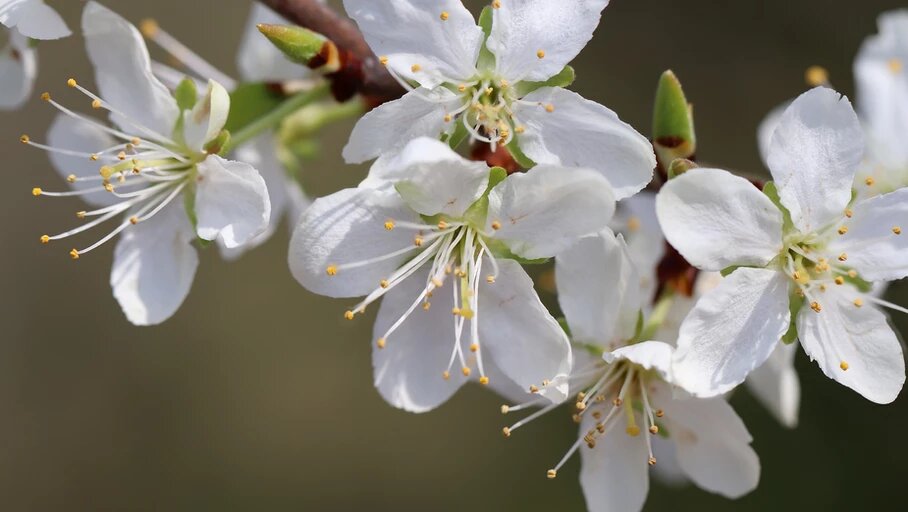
(795, 303)
(564, 78)
(641, 322)
(189, 205)
(680, 166)
(249, 102)
(456, 139)
(728, 270)
(216, 145)
(500, 250)
(186, 94)
(770, 190)
(674, 135)
(519, 156)
(485, 20)
(477, 213)
(486, 58)
(562, 321)
(496, 176)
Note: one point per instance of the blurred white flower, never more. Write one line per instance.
(629, 415)
(811, 253)
(156, 169)
(21, 20)
(33, 19)
(492, 87)
(446, 220)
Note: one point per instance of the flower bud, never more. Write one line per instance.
(303, 46)
(673, 122)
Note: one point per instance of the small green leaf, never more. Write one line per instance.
(563, 79)
(249, 102)
(186, 94)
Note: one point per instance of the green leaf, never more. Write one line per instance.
(186, 94)
(795, 303)
(249, 102)
(673, 121)
(563, 79)
(770, 190)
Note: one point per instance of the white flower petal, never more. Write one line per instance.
(18, 68)
(872, 244)
(636, 219)
(716, 219)
(347, 227)
(731, 331)
(123, 72)
(776, 386)
(260, 61)
(519, 333)
(815, 152)
(651, 355)
(206, 120)
(408, 371)
(711, 442)
(154, 265)
(534, 39)
(231, 201)
(69, 133)
(614, 475)
(544, 211)
(417, 42)
(34, 19)
(261, 153)
(882, 90)
(583, 133)
(390, 126)
(767, 128)
(433, 179)
(598, 290)
(861, 338)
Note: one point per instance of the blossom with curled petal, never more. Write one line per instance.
(436, 239)
(22, 20)
(630, 414)
(800, 261)
(156, 170)
(492, 86)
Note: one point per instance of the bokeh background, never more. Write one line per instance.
(258, 395)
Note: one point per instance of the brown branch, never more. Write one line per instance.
(361, 71)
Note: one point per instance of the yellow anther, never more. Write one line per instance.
(496, 225)
(505, 409)
(796, 275)
(417, 241)
(447, 118)
(550, 474)
(484, 380)
(45, 96)
(426, 306)
(133, 220)
(540, 54)
(72, 82)
(617, 402)
(489, 91)
(651, 461)
(106, 171)
(490, 279)
(504, 84)
(437, 282)
(380, 343)
(108, 187)
(506, 432)
(816, 306)
(844, 366)
(843, 230)
(383, 283)
(36, 191)
(415, 68)
(852, 273)
(849, 213)
(580, 406)
(81, 214)
(465, 371)
(869, 181)
(633, 430)
(442, 224)
(633, 224)
(135, 141)
(349, 315)
(74, 254)
(822, 287)
(25, 139)
(520, 129)
(444, 16)
(897, 230)
(496, 4)
(534, 388)
(71, 178)
(121, 155)
(474, 347)
(93, 157)
(839, 280)
(546, 382)
(843, 257)
(45, 239)
(654, 430)
(462, 87)
(389, 224)
(858, 303)
(660, 413)
(149, 27)
(816, 75)
(550, 108)
(895, 65)
(96, 104)
(455, 311)
(331, 270)
(383, 60)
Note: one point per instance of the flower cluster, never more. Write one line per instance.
(675, 283)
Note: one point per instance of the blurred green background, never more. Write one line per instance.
(258, 395)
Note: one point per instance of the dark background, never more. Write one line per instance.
(258, 395)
